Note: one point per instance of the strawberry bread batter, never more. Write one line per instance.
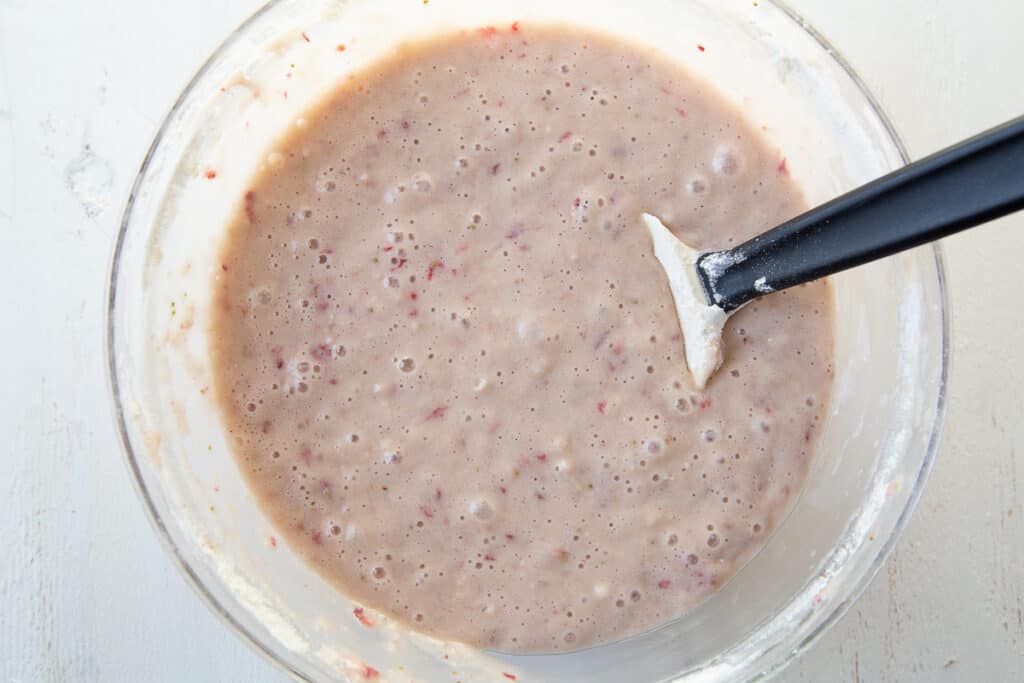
(450, 361)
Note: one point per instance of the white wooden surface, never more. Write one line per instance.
(86, 593)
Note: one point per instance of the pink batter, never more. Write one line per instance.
(451, 362)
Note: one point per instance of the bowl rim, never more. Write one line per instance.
(259, 644)
(941, 400)
(114, 389)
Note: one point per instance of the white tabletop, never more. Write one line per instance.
(86, 591)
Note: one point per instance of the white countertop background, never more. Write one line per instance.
(86, 591)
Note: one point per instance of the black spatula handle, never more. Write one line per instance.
(975, 181)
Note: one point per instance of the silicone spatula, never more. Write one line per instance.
(970, 183)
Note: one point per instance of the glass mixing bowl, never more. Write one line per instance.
(892, 352)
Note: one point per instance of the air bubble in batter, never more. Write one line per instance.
(481, 509)
(726, 161)
(697, 185)
(422, 182)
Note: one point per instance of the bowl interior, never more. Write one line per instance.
(890, 367)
